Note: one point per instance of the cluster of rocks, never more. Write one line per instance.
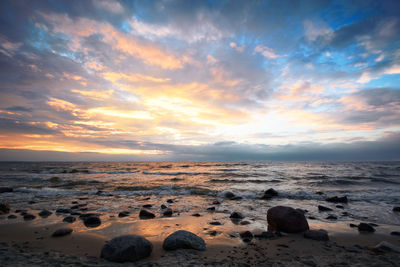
(133, 247)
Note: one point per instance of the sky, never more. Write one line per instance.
(199, 80)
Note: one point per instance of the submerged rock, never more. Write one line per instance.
(45, 213)
(170, 200)
(6, 189)
(29, 217)
(270, 193)
(62, 232)
(331, 217)
(4, 208)
(168, 212)
(319, 235)
(286, 219)
(63, 211)
(246, 236)
(123, 214)
(236, 215)
(144, 214)
(365, 227)
(337, 199)
(245, 223)
(215, 223)
(184, 240)
(163, 207)
(323, 208)
(69, 219)
(211, 209)
(91, 221)
(147, 206)
(127, 248)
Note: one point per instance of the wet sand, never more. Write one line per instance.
(30, 242)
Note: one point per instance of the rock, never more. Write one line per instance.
(31, 202)
(246, 236)
(45, 213)
(168, 212)
(75, 207)
(397, 209)
(323, 208)
(236, 198)
(184, 239)
(215, 223)
(211, 209)
(311, 218)
(229, 195)
(244, 223)
(319, 193)
(54, 179)
(216, 202)
(12, 216)
(123, 214)
(126, 248)
(212, 233)
(62, 232)
(92, 221)
(4, 208)
(365, 227)
(144, 214)
(339, 206)
(6, 189)
(392, 233)
(69, 219)
(286, 219)
(29, 217)
(170, 200)
(147, 206)
(236, 215)
(386, 246)
(320, 235)
(86, 215)
(270, 193)
(196, 215)
(331, 217)
(352, 225)
(337, 199)
(163, 207)
(63, 211)
(373, 224)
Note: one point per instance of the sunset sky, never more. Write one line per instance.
(199, 80)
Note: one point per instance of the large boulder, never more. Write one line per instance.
(126, 248)
(184, 239)
(286, 219)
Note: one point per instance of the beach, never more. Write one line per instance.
(206, 212)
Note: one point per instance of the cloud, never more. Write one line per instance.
(267, 52)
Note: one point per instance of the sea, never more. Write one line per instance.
(372, 188)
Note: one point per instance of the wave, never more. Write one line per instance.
(47, 191)
(171, 173)
(256, 181)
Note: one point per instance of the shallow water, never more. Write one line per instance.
(372, 187)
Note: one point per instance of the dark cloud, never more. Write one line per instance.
(15, 126)
(18, 109)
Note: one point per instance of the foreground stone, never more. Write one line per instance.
(127, 248)
(185, 240)
(319, 235)
(286, 219)
(62, 232)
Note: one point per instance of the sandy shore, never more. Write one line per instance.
(30, 243)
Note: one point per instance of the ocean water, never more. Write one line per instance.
(373, 188)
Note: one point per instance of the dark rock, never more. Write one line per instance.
(246, 236)
(211, 208)
(286, 219)
(6, 189)
(319, 193)
(123, 214)
(244, 223)
(63, 211)
(236, 198)
(352, 225)
(337, 199)
(365, 227)
(126, 248)
(323, 208)
(265, 235)
(4, 208)
(373, 224)
(44, 213)
(345, 213)
(339, 207)
(74, 202)
(168, 212)
(236, 215)
(76, 213)
(92, 221)
(12, 216)
(270, 193)
(212, 233)
(331, 217)
(320, 235)
(75, 207)
(69, 219)
(147, 206)
(229, 195)
(86, 215)
(19, 211)
(184, 239)
(31, 202)
(216, 202)
(144, 214)
(196, 215)
(386, 247)
(29, 217)
(215, 223)
(163, 206)
(62, 232)
(397, 209)
(392, 233)
(170, 200)
(311, 217)
(23, 213)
